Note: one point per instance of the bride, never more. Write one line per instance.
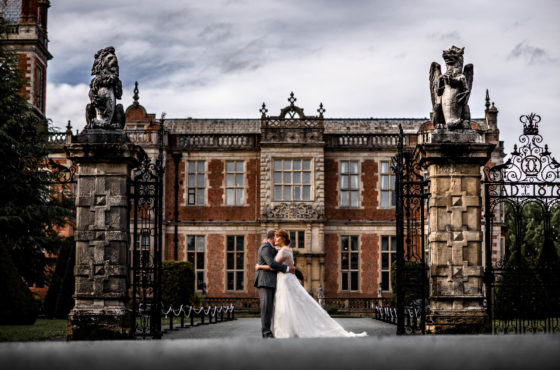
(296, 313)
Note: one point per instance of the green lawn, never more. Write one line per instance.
(43, 329)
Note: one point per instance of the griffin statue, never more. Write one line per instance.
(450, 92)
(105, 88)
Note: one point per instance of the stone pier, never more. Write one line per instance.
(453, 160)
(105, 159)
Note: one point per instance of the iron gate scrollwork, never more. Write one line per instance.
(146, 195)
(521, 196)
(411, 266)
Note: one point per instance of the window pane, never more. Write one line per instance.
(307, 178)
(354, 198)
(239, 166)
(344, 261)
(277, 165)
(192, 166)
(301, 239)
(393, 199)
(277, 177)
(306, 192)
(344, 182)
(230, 243)
(190, 243)
(343, 167)
(385, 280)
(385, 167)
(393, 257)
(239, 261)
(354, 280)
(229, 166)
(384, 243)
(239, 285)
(200, 196)
(354, 261)
(385, 261)
(344, 199)
(230, 261)
(240, 243)
(384, 182)
(393, 181)
(239, 180)
(384, 199)
(354, 167)
(287, 193)
(287, 177)
(297, 165)
(354, 243)
(297, 192)
(230, 280)
(229, 196)
(229, 180)
(297, 177)
(239, 196)
(200, 260)
(277, 193)
(200, 244)
(307, 165)
(292, 237)
(344, 243)
(344, 281)
(199, 279)
(287, 165)
(354, 182)
(190, 258)
(200, 181)
(191, 180)
(393, 243)
(191, 196)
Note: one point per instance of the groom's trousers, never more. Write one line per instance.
(266, 296)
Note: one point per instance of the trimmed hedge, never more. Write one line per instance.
(177, 283)
(17, 305)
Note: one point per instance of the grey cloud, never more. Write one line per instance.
(531, 54)
(245, 58)
(452, 36)
(216, 32)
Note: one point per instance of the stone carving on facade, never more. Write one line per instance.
(294, 211)
(450, 91)
(105, 88)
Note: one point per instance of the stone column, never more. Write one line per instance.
(105, 159)
(454, 160)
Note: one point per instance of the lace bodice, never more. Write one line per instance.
(285, 256)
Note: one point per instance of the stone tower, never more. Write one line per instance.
(27, 36)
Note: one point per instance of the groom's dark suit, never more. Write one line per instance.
(265, 281)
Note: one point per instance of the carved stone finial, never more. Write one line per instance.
(292, 99)
(69, 128)
(450, 91)
(105, 88)
(487, 100)
(135, 96)
(321, 110)
(263, 110)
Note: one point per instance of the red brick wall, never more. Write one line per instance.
(24, 66)
(215, 267)
(369, 264)
(332, 255)
(369, 195)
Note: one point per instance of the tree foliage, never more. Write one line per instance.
(31, 211)
(177, 283)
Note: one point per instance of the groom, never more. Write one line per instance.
(265, 281)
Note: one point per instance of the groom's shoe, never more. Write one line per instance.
(269, 336)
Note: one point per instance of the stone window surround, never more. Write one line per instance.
(226, 270)
(390, 251)
(295, 244)
(339, 183)
(245, 182)
(311, 160)
(186, 192)
(392, 175)
(339, 252)
(196, 252)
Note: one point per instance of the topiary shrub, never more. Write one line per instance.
(415, 275)
(62, 277)
(17, 305)
(177, 283)
(65, 299)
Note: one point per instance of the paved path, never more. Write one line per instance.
(238, 348)
(251, 328)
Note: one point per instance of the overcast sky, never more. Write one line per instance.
(360, 58)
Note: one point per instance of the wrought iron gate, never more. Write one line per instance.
(146, 196)
(523, 288)
(411, 267)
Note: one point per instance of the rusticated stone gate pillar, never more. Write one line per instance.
(105, 159)
(453, 160)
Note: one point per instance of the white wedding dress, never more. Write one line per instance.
(296, 313)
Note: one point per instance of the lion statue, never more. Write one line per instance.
(105, 88)
(450, 92)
